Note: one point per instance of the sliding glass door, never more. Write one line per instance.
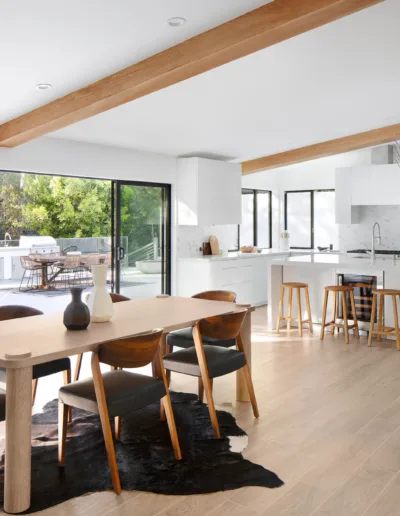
(142, 237)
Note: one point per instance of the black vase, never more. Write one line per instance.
(76, 315)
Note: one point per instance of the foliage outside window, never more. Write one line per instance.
(72, 207)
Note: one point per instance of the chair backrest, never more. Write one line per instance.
(222, 327)
(118, 298)
(217, 295)
(29, 264)
(69, 249)
(71, 262)
(8, 312)
(136, 351)
(92, 259)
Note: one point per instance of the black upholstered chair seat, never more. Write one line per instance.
(2, 405)
(46, 369)
(220, 361)
(125, 392)
(184, 339)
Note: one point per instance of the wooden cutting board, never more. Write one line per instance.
(214, 244)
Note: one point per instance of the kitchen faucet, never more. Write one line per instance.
(375, 238)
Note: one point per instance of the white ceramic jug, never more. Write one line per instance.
(100, 304)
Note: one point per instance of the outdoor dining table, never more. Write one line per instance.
(43, 338)
(46, 260)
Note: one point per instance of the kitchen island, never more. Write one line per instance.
(243, 273)
(320, 270)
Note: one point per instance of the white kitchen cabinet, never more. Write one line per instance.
(17, 269)
(1, 268)
(359, 179)
(208, 192)
(345, 212)
(247, 277)
(373, 185)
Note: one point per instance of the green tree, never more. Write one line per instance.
(68, 207)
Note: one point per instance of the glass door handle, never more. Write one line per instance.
(120, 253)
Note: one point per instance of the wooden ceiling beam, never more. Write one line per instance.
(354, 142)
(258, 29)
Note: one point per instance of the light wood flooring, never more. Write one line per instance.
(329, 427)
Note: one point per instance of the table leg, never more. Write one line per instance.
(242, 393)
(17, 481)
(155, 365)
(44, 276)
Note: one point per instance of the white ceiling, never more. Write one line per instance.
(340, 79)
(72, 43)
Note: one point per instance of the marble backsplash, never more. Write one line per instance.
(191, 238)
(358, 236)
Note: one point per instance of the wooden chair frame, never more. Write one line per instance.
(9, 312)
(115, 298)
(226, 296)
(205, 382)
(166, 411)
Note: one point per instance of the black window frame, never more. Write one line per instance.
(312, 210)
(255, 192)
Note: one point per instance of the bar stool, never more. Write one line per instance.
(379, 295)
(337, 290)
(289, 318)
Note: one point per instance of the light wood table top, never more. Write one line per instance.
(44, 337)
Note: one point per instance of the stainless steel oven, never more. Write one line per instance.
(363, 284)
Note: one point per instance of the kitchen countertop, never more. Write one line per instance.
(271, 253)
(339, 261)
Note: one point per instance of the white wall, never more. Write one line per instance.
(66, 157)
(312, 175)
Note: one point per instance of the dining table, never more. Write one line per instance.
(47, 260)
(44, 338)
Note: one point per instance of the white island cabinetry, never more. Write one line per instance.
(319, 271)
(245, 275)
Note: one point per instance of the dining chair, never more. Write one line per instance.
(31, 275)
(210, 361)
(68, 272)
(2, 405)
(115, 298)
(63, 365)
(184, 338)
(87, 262)
(117, 393)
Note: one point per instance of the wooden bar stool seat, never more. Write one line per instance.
(345, 291)
(290, 286)
(379, 298)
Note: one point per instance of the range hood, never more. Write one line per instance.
(370, 185)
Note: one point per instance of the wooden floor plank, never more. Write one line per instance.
(329, 427)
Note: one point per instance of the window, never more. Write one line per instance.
(255, 228)
(310, 219)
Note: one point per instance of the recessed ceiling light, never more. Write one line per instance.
(176, 21)
(43, 86)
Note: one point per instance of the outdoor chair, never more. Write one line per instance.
(31, 276)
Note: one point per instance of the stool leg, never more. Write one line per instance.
(396, 321)
(353, 309)
(278, 324)
(309, 310)
(335, 296)
(345, 322)
(380, 316)
(324, 315)
(299, 312)
(290, 302)
(371, 326)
